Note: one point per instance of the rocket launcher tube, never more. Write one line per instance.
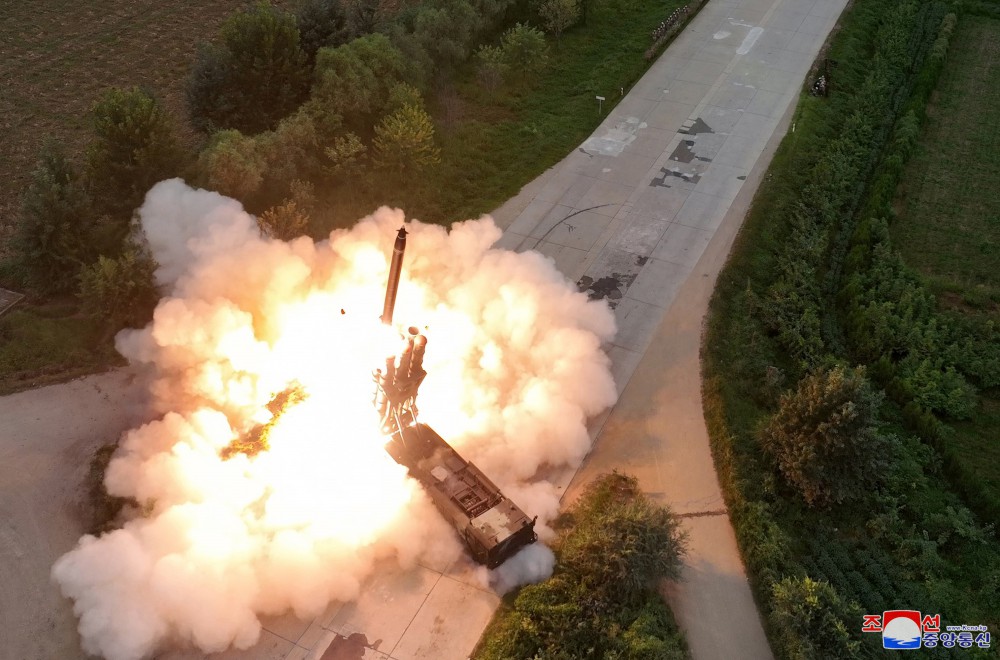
(395, 269)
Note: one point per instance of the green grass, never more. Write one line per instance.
(44, 343)
(949, 230)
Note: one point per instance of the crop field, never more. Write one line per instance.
(949, 230)
(57, 56)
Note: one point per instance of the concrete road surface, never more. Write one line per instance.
(642, 214)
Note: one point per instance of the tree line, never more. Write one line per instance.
(335, 94)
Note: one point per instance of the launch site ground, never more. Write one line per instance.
(643, 214)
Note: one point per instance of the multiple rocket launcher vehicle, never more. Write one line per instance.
(492, 527)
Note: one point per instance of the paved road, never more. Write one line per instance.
(642, 214)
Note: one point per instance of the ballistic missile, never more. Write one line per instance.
(395, 268)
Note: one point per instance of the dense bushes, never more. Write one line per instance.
(814, 281)
(601, 601)
(825, 439)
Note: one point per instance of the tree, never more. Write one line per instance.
(808, 618)
(54, 235)
(444, 29)
(321, 23)
(120, 290)
(345, 153)
(284, 221)
(355, 79)
(233, 164)
(524, 50)
(558, 15)
(404, 140)
(825, 439)
(134, 147)
(253, 76)
(491, 67)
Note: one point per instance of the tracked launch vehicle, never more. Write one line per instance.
(492, 527)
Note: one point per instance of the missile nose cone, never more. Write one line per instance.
(400, 239)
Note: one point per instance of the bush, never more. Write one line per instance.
(559, 15)
(524, 50)
(54, 235)
(233, 164)
(120, 291)
(602, 600)
(404, 141)
(134, 147)
(622, 543)
(825, 439)
(253, 76)
(284, 221)
(811, 622)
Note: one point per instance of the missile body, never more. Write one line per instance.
(395, 268)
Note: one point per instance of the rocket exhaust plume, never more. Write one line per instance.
(263, 481)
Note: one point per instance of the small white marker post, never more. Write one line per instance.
(600, 104)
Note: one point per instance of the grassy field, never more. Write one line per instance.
(950, 226)
(58, 56)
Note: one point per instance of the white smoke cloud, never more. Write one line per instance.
(514, 366)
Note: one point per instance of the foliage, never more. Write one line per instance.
(444, 29)
(55, 227)
(825, 439)
(524, 50)
(356, 79)
(284, 221)
(813, 280)
(134, 147)
(491, 67)
(811, 621)
(233, 164)
(255, 74)
(404, 141)
(120, 291)
(558, 15)
(346, 153)
(321, 23)
(575, 613)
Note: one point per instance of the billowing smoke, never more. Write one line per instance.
(515, 368)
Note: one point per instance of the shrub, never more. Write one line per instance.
(253, 76)
(404, 141)
(284, 221)
(121, 290)
(491, 67)
(559, 15)
(824, 436)
(808, 619)
(524, 50)
(233, 164)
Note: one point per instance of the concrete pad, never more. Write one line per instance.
(768, 104)
(385, 608)
(701, 211)
(636, 322)
(270, 647)
(722, 181)
(287, 626)
(682, 245)
(642, 231)
(623, 365)
(449, 623)
(568, 260)
(658, 282)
